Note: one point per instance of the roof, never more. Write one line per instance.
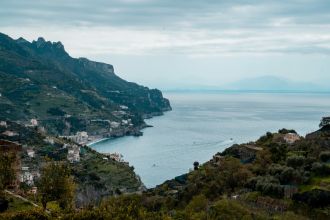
(9, 146)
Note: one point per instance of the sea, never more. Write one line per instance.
(204, 123)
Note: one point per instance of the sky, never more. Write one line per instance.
(172, 44)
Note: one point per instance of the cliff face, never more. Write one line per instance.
(41, 80)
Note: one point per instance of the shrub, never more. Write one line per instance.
(286, 131)
(290, 175)
(34, 214)
(314, 198)
(56, 111)
(295, 161)
(268, 136)
(3, 204)
(197, 207)
(225, 209)
(267, 185)
(278, 152)
(325, 156)
(320, 169)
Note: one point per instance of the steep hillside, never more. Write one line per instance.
(96, 175)
(40, 80)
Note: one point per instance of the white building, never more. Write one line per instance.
(114, 124)
(73, 154)
(34, 122)
(3, 124)
(26, 177)
(25, 168)
(290, 138)
(10, 133)
(49, 140)
(30, 153)
(123, 107)
(82, 137)
(124, 122)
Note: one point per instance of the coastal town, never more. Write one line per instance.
(30, 159)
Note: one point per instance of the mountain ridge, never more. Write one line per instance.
(41, 76)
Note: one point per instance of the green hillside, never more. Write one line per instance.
(40, 80)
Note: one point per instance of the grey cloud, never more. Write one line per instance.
(160, 13)
(195, 27)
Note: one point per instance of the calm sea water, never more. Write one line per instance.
(202, 124)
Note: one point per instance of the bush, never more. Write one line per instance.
(197, 207)
(35, 214)
(268, 136)
(314, 198)
(278, 152)
(320, 169)
(286, 131)
(295, 161)
(56, 111)
(3, 204)
(290, 175)
(325, 156)
(267, 185)
(225, 209)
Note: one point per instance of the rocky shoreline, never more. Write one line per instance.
(126, 131)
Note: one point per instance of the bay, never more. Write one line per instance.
(204, 123)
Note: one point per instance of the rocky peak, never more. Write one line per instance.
(21, 40)
(51, 48)
(59, 45)
(40, 42)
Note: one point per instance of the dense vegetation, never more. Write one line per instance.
(94, 177)
(40, 80)
(266, 179)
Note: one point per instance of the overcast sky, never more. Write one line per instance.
(184, 43)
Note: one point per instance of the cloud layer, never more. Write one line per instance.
(194, 28)
(184, 43)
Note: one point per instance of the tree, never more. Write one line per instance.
(325, 156)
(196, 165)
(56, 184)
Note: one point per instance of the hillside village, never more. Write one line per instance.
(34, 149)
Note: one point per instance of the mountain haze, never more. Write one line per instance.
(272, 83)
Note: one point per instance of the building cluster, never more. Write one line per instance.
(33, 123)
(3, 124)
(73, 153)
(291, 138)
(81, 137)
(49, 140)
(10, 133)
(28, 176)
(114, 156)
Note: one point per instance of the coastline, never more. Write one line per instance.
(96, 141)
(135, 131)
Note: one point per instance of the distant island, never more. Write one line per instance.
(266, 83)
